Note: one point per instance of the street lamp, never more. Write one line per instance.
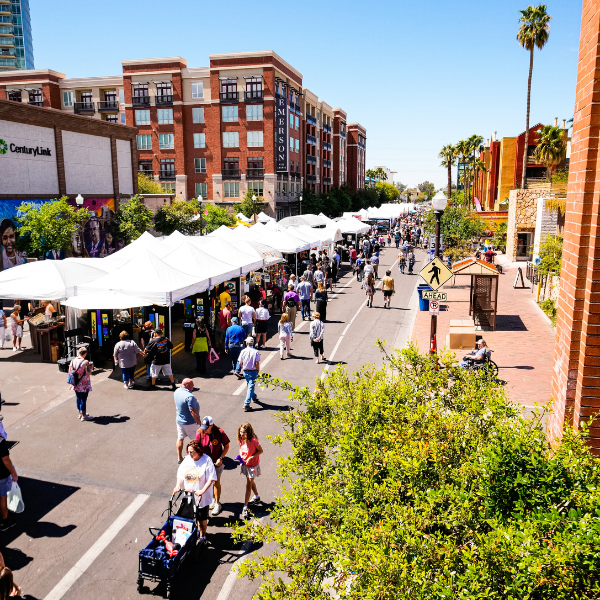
(439, 202)
(300, 200)
(79, 200)
(254, 207)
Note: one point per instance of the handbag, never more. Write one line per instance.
(19, 331)
(15, 499)
(213, 357)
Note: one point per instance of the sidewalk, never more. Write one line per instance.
(523, 342)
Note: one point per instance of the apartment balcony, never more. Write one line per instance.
(326, 180)
(311, 120)
(311, 179)
(327, 146)
(229, 97)
(108, 106)
(327, 128)
(254, 96)
(327, 164)
(295, 176)
(311, 139)
(531, 160)
(164, 100)
(311, 160)
(253, 173)
(343, 135)
(232, 173)
(297, 109)
(36, 103)
(282, 176)
(140, 101)
(147, 172)
(83, 108)
(167, 174)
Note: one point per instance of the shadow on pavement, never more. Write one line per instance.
(518, 367)
(509, 323)
(260, 406)
(110, 419)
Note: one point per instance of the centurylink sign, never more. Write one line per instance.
(35, 151)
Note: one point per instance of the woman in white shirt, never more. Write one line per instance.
(262, 316)
(247, 317)
(286, 335)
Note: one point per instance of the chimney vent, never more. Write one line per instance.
(555, 121)
(564, 124)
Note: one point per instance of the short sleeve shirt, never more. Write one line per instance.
(195, 474)
(224, 297)
(184, 401)
(246, 313)
(387, 283)
(213, 443)
(249, 356)
(262, 314)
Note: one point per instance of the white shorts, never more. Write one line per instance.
(188, 431)
(156, 369)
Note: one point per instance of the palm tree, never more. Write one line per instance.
(462, 149)
(551, 147)
(478, 167)
(448, 156)
(380, 174)
(534, 31)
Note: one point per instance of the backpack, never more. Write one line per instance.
(73, 378)
(290, 303)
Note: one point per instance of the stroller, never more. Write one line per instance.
(171, 544)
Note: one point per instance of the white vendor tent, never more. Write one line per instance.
(270, 255)
(308, 220)
(282, 240)
(306, 233)
(105, 301)
(264, 218)
(352, 226)
(242, 217)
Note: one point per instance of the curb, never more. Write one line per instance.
(543, 314)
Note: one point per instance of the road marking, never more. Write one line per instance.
(175, 350)
(262, 366)
(232, 576)
(65, 584)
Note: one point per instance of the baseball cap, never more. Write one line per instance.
(206, 422)
(158, 331)
(250, 340)
(234, 319)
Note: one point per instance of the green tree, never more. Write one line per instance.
(132, 218)
(216, 216)
(250, 208)
(389, 191)
(427, 189)
(551, 255)
(500, 235)
(463, 149)
(551, 148)
(147, 185)
(182, 216)
(335, 202)
(421, 481)
(49, 226)
(401, 187)
(312, 203)
(448, 156)
(533, 32)
(380, 174)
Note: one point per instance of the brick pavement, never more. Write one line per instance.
(523, 343)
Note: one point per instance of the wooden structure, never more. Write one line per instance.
(483, 297)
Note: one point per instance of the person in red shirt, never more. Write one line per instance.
(224, 323)
(250, 451)
(215, 444)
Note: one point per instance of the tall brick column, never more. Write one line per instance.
(576, 381)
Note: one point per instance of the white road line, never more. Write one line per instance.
(65, 584)
(230, 581)
(262, 366)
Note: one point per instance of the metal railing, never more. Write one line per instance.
(326, 146)
(149, 172)
(311, 179)
(311, 139)
(167, 174)
(327, 164)
(164, 100)
(231, 173)
(36, 103)
(254, 173)
(140, 101)
(311, 160)
(326, 128)
(326, 180)
(83, 107)
(254, 96)
(108, 106)
(312, 120)
(225, 97)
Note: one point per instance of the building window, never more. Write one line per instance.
(122, 96)
(297, 123)
(110, 96)
(254, 112)
(297, 145)
(67, 99)
(140, 90)
(145, 166)
(112, 118)
(201, 190)
(200, 165)
(167, 167)
(231, 139)
(142, 117)
(168, 187)
(255, 162)
(35, 96)
(166, 141)
(229, 113)
(123, 119)
(197, 115)
(232, 189)
(254, 138)
(256, 187)
(229, 86)
(197, 89)
(291, 144)
(254, 84)
(199, 140)
(86, 98)
(165, 116)
(291, 121)
(164, 89)
(144, 142)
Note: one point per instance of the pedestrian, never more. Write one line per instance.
(201, 345)
(83, 386)
(321, 301)
(17, 327)
(234, 341)
(304, 291)
(145, 337)
(334, 270)
(370, 289)
(3, 327)
(368, 270)
(411, 261)
(250, 451)
(319, 275)
(293, 281)
(291, 302)
(397, 239)
(389, 239)
(375, 263)
(262, 316)
(215, 443)
(224, 297)
(187, 417)
(329, 277)
(317, 331)
(387, 285)
(49, 311)
(286, 336)
(337, 258)
(8, 587)
(352, 257)
(125, 355)
(249, 363)
(159, 349)
(401, 262)
(223, 324)
(8, 474)
(247, 316)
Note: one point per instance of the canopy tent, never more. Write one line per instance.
(352, 226)
(324, 234)
(393, 210)
(308, 220)
(264, 218)
(334, 231)
(327, 220)
(49, 279)
(242, 217)
(145, 242)
(307, 234)
(364, 214)
(376, 213)
(270, 255)
(351, 215)
(283, 240)
(105, 301)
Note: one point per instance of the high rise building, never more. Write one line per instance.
(16, 44)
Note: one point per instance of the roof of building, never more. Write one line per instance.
(474, 266)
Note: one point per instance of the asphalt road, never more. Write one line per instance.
(92, 489)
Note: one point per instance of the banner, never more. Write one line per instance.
(281, 129)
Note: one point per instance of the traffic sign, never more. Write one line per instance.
(436, 273)
(434, 307)
(439, 296)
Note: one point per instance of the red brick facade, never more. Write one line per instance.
(356, 146)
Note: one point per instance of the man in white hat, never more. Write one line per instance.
(249, 363)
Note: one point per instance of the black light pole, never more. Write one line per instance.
(439, 202)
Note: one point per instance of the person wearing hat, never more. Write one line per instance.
(159, 350)
(234, 341)
(187, 417)
(215, 443)
(145, 337)
(249, 362)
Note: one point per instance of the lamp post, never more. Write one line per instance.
(254, 207)
(79, 200)
(300, 202)
(200, 202)
(439, 202)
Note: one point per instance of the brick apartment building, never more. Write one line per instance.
(244, 123)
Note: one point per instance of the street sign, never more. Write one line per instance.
(434, 307)
(439, 296)
(436, 273)
(432, 241)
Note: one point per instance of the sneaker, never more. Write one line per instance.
(238, 375)
(217, 509)
(14, 349)
(87, 418)
(212, 505)
(256, 498)
(255, 400)
(80, 417)
(7, 524)
(173, 387)
(244, 512)
(248, 408)
(125, 386)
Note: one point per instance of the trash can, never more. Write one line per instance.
(423, 304)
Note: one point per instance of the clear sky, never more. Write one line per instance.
(417, 74)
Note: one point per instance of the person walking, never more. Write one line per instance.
(319, 276)
(3, 327)
(411, 261)
(397, 239)
(304, 292)
(8, 587)
(370, 289)
(286, 335)
(215, 444)
(262, 316)
(8, 474)
(294, 281)
(223, 324)
(247, 316)
(387, 285)
(83, 386)
(159, 349)
(352, 256)
(17, 327)
(125, 355)
(375, 263)
(368, 270)
(187, 417)
(321, 300)
(329, 277)
(145, 337)
(401, 262)
(309, 275)
(317, 331)
(291, 301)
(201, 345)
(249, 363)
(234, 341)
(250, 451)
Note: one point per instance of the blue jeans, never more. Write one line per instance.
(81, 400)
(234, 353)
(148, 371)
(250, 380)
(305, 308)
(128, 374)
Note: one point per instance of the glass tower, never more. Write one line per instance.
(16, 45)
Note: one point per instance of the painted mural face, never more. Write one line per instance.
(76, 244)
(95, 231)
(9, 240)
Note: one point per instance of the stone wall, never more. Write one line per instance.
(522, 213)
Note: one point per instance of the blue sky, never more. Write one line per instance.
(416, 74)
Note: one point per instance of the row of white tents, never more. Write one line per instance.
(385, 211)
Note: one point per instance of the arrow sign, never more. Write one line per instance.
(435, 274)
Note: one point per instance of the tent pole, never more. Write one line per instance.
(296, 264)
